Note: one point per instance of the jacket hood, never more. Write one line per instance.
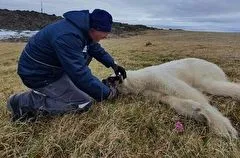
(78, 18)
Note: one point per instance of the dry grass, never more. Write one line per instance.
(129, 126)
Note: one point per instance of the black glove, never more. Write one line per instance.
(119, 69)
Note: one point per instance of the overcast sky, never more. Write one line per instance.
(208, 15)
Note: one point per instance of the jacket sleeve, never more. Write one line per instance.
(69, 52)
(95, 50)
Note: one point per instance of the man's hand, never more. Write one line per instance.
(113, 93)
(119, 70)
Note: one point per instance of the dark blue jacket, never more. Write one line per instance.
(57, 49)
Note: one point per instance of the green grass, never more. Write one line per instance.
(130, 126)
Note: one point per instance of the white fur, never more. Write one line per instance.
(179, 83)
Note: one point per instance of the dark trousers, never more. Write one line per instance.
(58, 97)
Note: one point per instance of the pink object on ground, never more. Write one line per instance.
(179, 126)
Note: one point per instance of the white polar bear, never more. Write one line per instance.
(179, 83)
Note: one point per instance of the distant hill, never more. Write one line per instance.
(32, 20)
(25, 20)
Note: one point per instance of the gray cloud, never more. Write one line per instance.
(214, 15)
